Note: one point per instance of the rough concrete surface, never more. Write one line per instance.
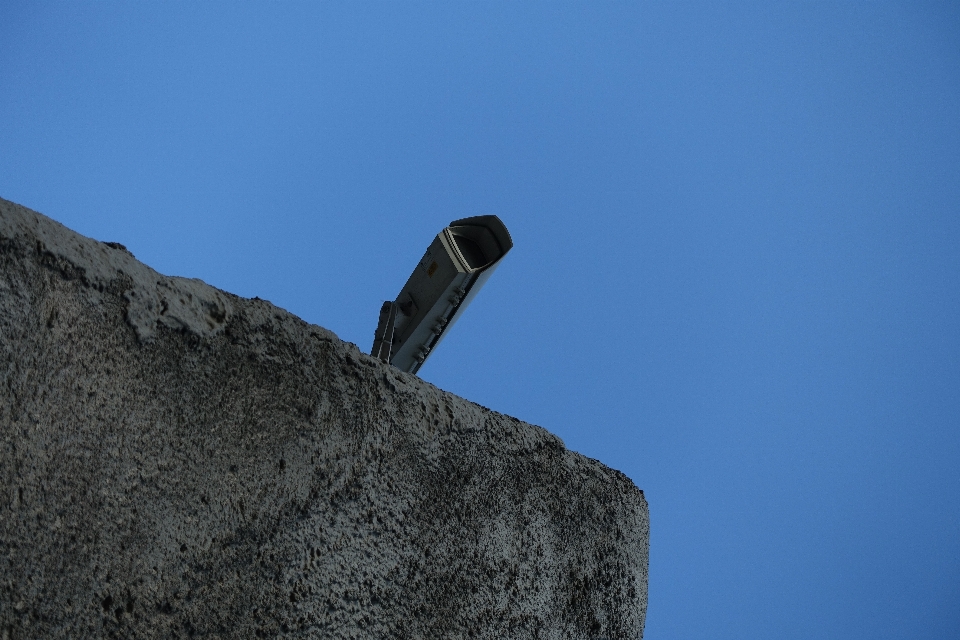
(176, 461)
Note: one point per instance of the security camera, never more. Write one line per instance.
(455, 266)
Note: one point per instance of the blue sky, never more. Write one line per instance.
(736, 273)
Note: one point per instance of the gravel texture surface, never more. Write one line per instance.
(176, 461)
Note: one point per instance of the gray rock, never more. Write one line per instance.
(176, 461)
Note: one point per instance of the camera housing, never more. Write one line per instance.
(456, 265)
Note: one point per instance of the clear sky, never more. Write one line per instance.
(736, 273)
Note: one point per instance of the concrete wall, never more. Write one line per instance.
(176, 461)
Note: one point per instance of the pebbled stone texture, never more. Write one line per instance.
(178, 462)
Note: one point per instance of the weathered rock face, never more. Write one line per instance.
(177, 461)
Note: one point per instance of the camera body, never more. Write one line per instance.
(456, 265)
